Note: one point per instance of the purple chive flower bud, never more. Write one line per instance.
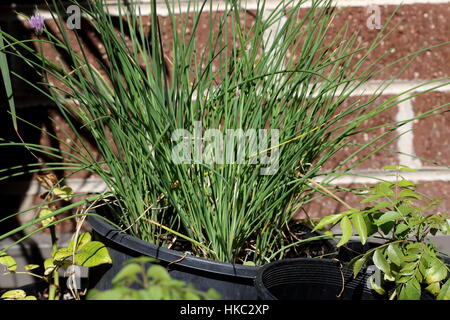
(37, 23)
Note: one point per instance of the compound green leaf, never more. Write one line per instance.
(434, 288)
(384, 189)
(62, 254)
(191, 296)
(331, 219)
(405, 183)
(14, 295)
(8, 261)
(405, 209)
(401, 229)
(82, 239)
(388, 277)
(403, 279)
(360, 225)
(127, 274)
(372, 198)
(375, 286)
(359, 264)
(155, 292)
(409, 268)
(45, 212)
(49, 266)
(380, 261)
(158, 272)
(370, 225)
(409, 194)
(395, 254)
(445, 227)
(444, 294)
(30, 267)
(388, 217)
(381, 205)
(410, 290)
(65, 193)
(92, 254)
(437, 272)
(414, 249)
(347, 231)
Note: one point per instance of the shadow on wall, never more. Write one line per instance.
(13, 189)
(31, 106)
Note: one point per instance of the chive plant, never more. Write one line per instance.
(247, 77)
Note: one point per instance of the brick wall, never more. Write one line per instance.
(420, 24)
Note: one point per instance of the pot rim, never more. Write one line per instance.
(108, 231)
(105, 229)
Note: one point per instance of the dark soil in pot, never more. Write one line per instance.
(232, 281)
(320, 248)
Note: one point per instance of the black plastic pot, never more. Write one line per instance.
(311, 279)
(232, 281)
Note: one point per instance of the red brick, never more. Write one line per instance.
(385, 156)
(437, 190)
(413, 27)
(323, 206)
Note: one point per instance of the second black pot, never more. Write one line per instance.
(311, 279)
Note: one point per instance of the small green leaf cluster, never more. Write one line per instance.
(84, 253)
(16, 295)
(404, 219)
(155, 283)
(81, 251)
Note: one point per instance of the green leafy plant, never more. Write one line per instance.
(404, 219)
(245, 78)
(154, 282)
(81, 251)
